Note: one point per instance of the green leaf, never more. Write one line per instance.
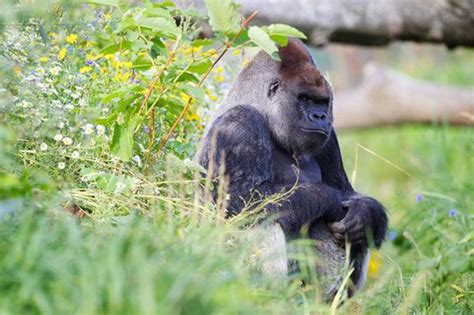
(224, 15)
(161, 25)
(284, 30)
(122, 140)
(280, 39)
(263, 40)
(114, 3)
(123, 45)
(200, 66)
(195, 92)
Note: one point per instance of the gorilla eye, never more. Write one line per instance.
(304, 98)
(273, 87)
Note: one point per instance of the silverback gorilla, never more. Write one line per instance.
(274, 131)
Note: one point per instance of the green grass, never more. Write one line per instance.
(162, 263)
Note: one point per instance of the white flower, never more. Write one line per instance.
(58, 137)
(82, 102)
(67, 141)
(137, 159)
(43, 147)
(56, 103)
(61, 125)
(69, 107)
(100, 130)
(55, 70)
(24, 104)
(61, 165)
(88, 129)
(75, 155)
(75, 95)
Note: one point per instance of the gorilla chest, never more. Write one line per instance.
(287, 169)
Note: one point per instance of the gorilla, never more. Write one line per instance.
(274, 134)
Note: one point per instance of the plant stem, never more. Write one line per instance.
(201, 81)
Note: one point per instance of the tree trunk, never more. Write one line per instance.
(372, 22)
(386, 97)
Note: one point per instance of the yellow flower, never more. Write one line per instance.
(62, 53)
(219, 69)
(194, 116)
(236, 52)
(374, 263)
(107, 16)
(123, 77)
(53, 34)
(85, 69)
(219, 78)
(44, 59)
(71, 38)
(185, 97)
(213, 97)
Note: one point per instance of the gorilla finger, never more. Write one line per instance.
(347, 203)
(337, 227)
(338, 236)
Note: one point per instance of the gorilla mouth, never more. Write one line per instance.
(315, 130)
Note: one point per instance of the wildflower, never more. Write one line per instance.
(374, 263)
(67, 141)
(24, 104)
(236, 52)
(43, 59)
(219, 69)
(62, 53)
(69, 107)
(194, 116)
(453, 213)
(61, 165)
(85, 69)
(88, 129)
(55, 70)
(61, 125)
(43, 147)
(137, 160)
(75, 95)
(53, 34)
(392, 235)
(75, 155)
(219, 79)
(419, 198)
(100, 130)
(58, 137)
(89, 62)
(71, 38)
(146, 129)
(56, 103)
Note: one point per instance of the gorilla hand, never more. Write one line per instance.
(365, 221)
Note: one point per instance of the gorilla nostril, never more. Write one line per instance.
(315, 116)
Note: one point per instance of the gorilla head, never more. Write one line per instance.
(292, 94)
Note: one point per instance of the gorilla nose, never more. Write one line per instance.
(316, 116)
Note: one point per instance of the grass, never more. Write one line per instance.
(53, 263)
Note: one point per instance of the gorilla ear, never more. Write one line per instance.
(272, 89)
(294, 53)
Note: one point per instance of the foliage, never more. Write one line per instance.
(95, 93)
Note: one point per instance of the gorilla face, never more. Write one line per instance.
(301, 114)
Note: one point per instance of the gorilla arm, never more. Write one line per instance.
(241, 139)
(363, 212)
